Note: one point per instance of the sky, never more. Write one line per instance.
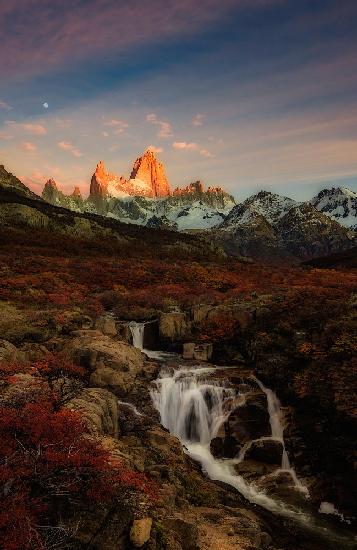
(243, 94)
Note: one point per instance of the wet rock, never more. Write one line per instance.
(151, 335)
(140, 532)
(269, 451)
(252, 470)
(227, 447)
(281, 484)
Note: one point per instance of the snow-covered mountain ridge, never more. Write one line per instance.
(339, 203)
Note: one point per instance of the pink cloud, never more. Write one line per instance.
(5, 136)
(35, 129)
(190, 146)
(155, 149)
(165, 128)
(28, 146)
(184, 145)
(67, 146)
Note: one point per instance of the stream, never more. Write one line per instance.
(193, 406)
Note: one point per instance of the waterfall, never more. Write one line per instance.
(193, 408)
(137, 331)
(277, 432)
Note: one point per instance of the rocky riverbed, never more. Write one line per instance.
(192, 511)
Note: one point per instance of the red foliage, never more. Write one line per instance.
(219, 328)
(46, 457)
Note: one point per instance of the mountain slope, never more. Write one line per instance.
(339, 203)
(21, 211)
(270, 226)
(8, 182)
(269, 205)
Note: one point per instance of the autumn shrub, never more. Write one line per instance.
(48, 463)
(219, 328)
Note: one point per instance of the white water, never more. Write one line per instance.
(193, 408)
(137, 331)
(130, 406)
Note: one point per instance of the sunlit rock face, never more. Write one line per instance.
(104, 184)
(196, 188)
(148, 179)
(149, 174)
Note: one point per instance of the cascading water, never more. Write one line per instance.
(193, 408)
(277, 432)
(137, 331)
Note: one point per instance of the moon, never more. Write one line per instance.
(45, 105)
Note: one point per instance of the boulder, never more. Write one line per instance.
(253, 471)
(280, 484)
(224, 447)
(106, 324)
(174, 326)
(269, 451)
(140, 532)
(99, 409)
(163, 441)
(33, 352)
(262, 539)
(250, 421)
(10, 353)
(186, 532)
(114, 364)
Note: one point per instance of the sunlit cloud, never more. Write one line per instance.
(67, 146)
(28, 146)
(118, 126)
(155, 149)
(6, 136)
(165, 128)
(35, 129)
(191, 146)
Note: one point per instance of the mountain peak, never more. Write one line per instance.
(148, 170)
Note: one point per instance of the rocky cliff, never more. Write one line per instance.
(148, 179)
